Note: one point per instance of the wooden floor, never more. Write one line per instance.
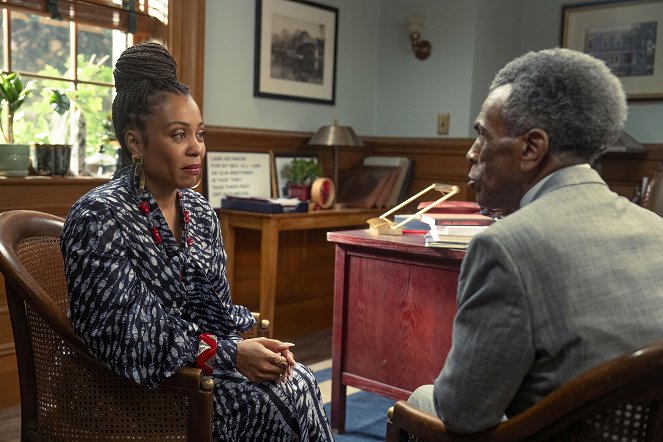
(309, 349)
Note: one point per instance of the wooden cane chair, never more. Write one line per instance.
(66, 394)
(620, 401)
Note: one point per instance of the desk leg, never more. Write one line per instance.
(338, 398)
(269, 255)
(228, 233)
(338, 341)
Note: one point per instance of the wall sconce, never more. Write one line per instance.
(420, 47)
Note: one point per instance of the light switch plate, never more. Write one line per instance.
(442, 124)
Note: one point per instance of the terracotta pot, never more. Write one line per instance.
(301, 191)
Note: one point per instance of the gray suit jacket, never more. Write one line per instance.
(567, 282)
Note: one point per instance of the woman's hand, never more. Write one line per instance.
(262, 359)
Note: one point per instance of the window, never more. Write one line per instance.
(72, 54)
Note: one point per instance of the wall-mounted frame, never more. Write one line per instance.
(627, 35)
(246, 174)
(281, 162)
(295, 52)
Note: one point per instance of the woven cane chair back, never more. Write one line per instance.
(619, 401)
(66, 395)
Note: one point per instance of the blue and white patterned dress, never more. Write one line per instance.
(140, 307)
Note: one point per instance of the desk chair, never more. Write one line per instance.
(620, 400)
(66, 394)
(653, 198)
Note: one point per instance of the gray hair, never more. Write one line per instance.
(572, 96)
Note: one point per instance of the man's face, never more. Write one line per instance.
(495, 158)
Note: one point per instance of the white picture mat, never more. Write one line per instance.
(244, 174)
(578, 21)
(305, 13)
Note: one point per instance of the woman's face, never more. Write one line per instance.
(174, 147)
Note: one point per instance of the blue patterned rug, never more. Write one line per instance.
(365, 414)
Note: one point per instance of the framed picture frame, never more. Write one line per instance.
(295, 51)
(244, 174)
(627, 35)
(281, 162)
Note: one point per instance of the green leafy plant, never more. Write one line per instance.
(59, 127)
(302, 171)
(12, 95)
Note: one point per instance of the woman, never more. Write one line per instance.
(146, 269)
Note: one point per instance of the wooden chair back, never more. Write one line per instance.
(620, 400)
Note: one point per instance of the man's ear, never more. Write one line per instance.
(535, 148)
(133, 140)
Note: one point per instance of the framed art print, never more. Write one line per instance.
(295, 52)
(627, 35)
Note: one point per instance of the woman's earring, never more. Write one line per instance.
(138, 174)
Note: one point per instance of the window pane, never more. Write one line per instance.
(40, 45)
(2, 42)
(95, 53)
(33, 120)
(96, 103)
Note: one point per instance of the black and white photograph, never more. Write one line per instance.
(295, 50)
(625, 35)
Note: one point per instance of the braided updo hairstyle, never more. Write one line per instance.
(144, 73)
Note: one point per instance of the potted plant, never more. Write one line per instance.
(53, 157)
(300, 174)
(14, 158)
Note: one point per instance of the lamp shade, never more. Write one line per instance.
(335, 135)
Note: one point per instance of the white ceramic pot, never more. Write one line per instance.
(14, 159)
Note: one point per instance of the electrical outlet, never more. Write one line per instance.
(442, 124)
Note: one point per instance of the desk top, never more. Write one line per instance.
(319, 219)
(407, 243)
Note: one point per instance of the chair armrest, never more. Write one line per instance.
(410, 419)
(261, 329)
(186, 378)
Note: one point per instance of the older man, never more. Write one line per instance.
(573, 277)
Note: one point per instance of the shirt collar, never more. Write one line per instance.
(531, 194)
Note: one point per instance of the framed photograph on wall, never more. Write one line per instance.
(627, 35)
(295, 52)
(282, 162)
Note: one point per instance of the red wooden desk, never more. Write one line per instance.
(394, 303)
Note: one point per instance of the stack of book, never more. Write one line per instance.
(453, 230)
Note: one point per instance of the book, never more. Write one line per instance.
(266, 205)
(413, 224)
(455, 242)
(387, 190)
(405, 166)
(364, 186)
(451, 207)
(443, 231)
(456, 219)
(456, 239)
